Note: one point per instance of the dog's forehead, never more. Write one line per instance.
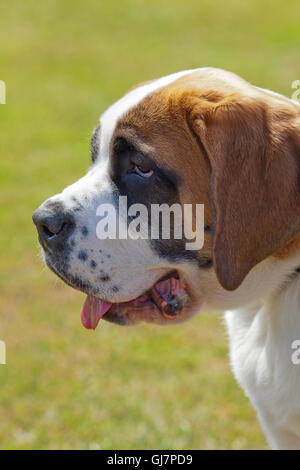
(113, 115)
(204, 79)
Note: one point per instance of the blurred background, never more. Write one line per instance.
(63, 63)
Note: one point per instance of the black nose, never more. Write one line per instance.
(54, 224)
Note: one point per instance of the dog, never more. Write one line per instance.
(198, 136)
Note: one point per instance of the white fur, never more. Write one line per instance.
(278, 95)
(261, 336)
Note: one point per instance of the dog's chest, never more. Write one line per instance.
(262, 352)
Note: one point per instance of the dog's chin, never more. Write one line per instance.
(124, 316)
(168, 301)
(61, 270)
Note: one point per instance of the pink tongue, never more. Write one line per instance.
(92, 312)
(169, 287)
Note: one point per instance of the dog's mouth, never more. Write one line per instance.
(168, 296)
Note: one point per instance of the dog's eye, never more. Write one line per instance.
(144, 172)
(131, 167)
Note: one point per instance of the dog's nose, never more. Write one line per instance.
(53, 223)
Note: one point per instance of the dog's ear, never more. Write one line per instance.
(253, 147)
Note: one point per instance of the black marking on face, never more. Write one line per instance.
(78, 283)
(115, 289)
(104, 278)
(160, 188)
(78, 206)
(82, 255)
(95, 143)
(60, 247)
(204, 262)
(93, 264)
(61, 269)
(84, 231)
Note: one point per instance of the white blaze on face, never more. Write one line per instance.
(110, 118)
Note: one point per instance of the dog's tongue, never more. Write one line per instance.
(92, 312)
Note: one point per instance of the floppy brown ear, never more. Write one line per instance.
(254, 153)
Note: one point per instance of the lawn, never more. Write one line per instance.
(147, 387)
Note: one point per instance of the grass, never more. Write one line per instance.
(63, 62)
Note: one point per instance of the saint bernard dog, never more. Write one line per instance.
(203, 136)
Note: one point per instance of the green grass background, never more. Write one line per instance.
(63, 63)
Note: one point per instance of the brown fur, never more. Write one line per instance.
(237, 150)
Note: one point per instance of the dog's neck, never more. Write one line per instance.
(262, 349)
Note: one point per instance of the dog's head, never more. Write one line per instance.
(196, 137)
